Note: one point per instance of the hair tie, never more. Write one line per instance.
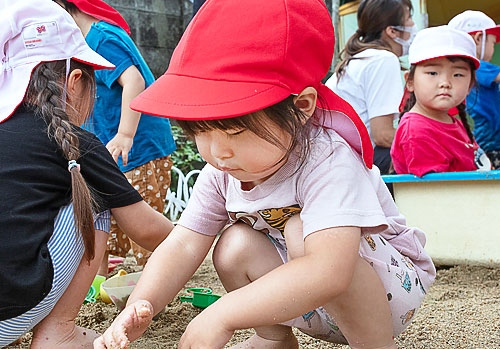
(72, 164)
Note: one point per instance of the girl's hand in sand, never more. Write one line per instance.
(128, 326)
(207, 330)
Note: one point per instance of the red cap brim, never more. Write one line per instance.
(189, 98)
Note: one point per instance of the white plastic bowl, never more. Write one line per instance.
(119, 288)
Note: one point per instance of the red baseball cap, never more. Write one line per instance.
(238, 57)
(99, 9)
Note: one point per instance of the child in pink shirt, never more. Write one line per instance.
(309, 236)
(428, 139)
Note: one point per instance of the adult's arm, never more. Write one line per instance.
(382, 130)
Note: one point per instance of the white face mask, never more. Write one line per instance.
(405, 44)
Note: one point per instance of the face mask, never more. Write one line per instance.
(405, 44)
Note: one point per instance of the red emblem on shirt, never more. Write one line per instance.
(41, 29)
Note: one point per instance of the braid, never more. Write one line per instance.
(465, 122)
(44, 91)
(410, 103)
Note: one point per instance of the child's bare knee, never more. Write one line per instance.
(232, 248)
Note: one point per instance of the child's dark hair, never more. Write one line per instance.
(373, 17)
(285, 114)
(411, 101)
(44, 96)
(69, 6)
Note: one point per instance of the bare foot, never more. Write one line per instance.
(18, 341)
(256, 342)
(75, 337)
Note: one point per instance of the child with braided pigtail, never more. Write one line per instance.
(43, 91)
(428, 139)
(58, 181)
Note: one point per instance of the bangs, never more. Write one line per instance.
(283, 114)
(194, 127)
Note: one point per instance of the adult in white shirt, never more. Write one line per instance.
(369, 75)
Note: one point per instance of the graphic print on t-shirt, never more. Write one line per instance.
(277, 217)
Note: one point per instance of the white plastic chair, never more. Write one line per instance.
(176, 201)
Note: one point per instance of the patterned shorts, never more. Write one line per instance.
(400, 279)
(151, 180)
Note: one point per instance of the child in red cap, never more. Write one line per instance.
(309, 234)
(140, 143)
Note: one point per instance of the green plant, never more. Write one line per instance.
(186, 158)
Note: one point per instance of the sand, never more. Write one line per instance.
(461, 310)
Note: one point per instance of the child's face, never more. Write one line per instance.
(440, 84)
(241, 153)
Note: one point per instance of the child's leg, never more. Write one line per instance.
(104, 265)
(371, 310)
(58, 329)
(241, 256)
(362, 312)
(151, 180)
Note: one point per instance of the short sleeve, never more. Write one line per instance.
(117, 53)
(383, 85)
(108, 184)
(487, 73)
(206, 210)
(422, 158)
(339, 190)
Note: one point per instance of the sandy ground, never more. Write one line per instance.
(462, 310)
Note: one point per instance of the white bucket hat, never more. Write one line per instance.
(35, 31)
(442, 41)
(473, 22)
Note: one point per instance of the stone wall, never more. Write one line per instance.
(156, 26)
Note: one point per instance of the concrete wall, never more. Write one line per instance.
(156, 26)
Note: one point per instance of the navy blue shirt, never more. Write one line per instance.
(483, 105)
(153, 138)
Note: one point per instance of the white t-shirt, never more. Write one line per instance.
(372, 85)
(333, 188)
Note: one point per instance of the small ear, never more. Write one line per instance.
(74, 78)
(409, 82)
(391, 32)
(477, 37)
(306, 100)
